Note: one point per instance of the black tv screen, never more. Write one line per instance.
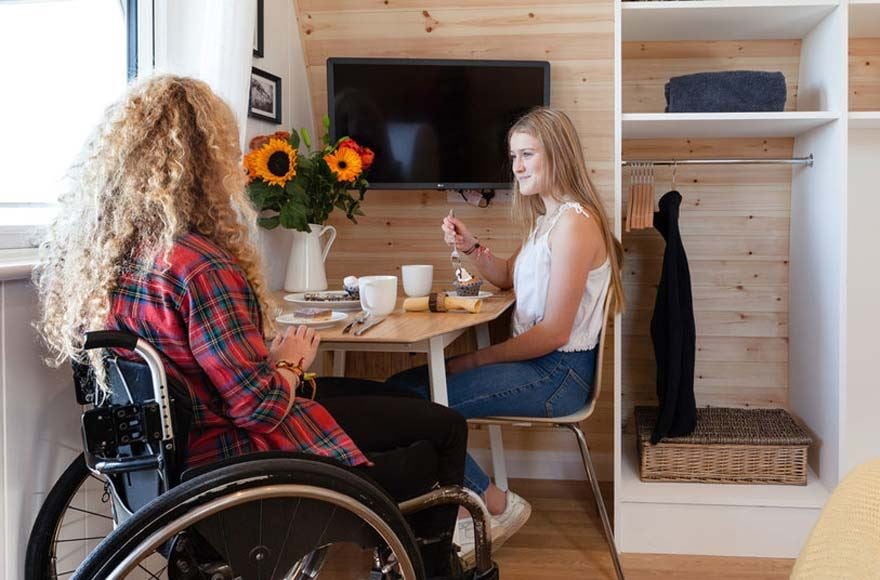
(434, 123)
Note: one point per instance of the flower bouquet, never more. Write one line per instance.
(296, 187)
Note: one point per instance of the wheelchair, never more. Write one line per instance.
(125, 508)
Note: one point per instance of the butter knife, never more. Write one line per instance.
(359, 319)
(367, 326)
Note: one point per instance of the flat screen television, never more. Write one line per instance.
(434, 124)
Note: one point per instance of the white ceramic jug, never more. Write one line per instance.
(305, 268)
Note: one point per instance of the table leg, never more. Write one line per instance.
(338, 363)
(483, 339)
(437, 371)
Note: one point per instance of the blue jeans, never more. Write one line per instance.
(553, 385)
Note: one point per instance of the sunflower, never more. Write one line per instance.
(275, 162)
(345, 163)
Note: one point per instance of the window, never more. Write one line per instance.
(64, 62)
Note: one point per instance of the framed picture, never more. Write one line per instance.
(258, 31)
(264, 101)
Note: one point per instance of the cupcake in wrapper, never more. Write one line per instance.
(465, 284)
(469, 288)
(350, 285)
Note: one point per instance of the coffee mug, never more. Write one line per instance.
(417, 279)
(378, 294)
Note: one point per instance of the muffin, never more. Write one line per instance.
(469, 288)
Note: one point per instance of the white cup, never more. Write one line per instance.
(378, 294)
(417, 279)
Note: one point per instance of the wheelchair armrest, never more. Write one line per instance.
(110, 339)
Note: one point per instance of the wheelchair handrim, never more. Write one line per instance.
(155, 539)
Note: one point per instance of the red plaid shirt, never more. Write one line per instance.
(204, 318)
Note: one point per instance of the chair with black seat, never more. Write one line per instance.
(572, 423)
(265, 515)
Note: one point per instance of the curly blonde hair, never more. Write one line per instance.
(165, 161)
(568, 179)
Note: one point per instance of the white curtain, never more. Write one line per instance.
(212, 41)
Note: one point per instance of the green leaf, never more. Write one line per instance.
(306, 138)
(294, 140)
(325, 120)
(270, 223)
(293, 216)
(261, 193)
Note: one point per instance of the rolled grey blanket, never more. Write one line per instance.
(739, 91)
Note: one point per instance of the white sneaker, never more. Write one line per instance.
(463, 536)
(507, 523)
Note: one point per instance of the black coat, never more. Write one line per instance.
(673, 330)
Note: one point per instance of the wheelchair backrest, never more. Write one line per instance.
(124, 435)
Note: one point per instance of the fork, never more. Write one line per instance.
(455, 257)
(359, 319)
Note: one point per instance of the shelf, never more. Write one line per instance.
(633, 490)
(864, 19)
(722, 125)
(864, 120)
(722, 20)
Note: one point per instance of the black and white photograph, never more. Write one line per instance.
(258, 31)
(265, 96)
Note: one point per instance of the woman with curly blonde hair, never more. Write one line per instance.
(156, 239)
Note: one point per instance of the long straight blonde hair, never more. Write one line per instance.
(165, 161)
(566, 179)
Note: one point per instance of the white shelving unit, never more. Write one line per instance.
(772, 521)
(862, 285)
(730, 125)
(722, 20)
(864, 120)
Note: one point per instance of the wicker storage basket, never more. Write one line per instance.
(745, 446)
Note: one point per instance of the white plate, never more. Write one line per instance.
(299, 299)
(482, 294)
(290, 318)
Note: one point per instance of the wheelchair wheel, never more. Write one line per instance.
(264, 519)
(74, 518)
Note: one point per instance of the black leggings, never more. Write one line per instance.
(393, 430)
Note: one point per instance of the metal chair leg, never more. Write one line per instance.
(597, 495)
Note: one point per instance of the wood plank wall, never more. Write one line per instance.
(864, 74)
(400, 227)
(647, 66)
(735, 229)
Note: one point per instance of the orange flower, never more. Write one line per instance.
(365, 153)
(367, 157)
(345, 163)
(250, 163)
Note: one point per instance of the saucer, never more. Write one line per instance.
(481, 294)
(290, 318)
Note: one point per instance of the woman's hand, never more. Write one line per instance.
(461, 363)
(455, 232)
(295, 344)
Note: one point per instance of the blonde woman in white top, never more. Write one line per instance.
(568, 260)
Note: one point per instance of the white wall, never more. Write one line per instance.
(282, 56)
(39, 423)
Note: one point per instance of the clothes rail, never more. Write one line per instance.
(808, 161)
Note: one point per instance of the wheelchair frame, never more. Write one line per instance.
(133, 447)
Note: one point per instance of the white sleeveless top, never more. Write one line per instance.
(531, 281)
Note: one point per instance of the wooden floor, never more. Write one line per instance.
(563, 539)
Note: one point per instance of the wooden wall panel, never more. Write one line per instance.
(402, 227)
(648, 66)
(864, 74)
(735, 229)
